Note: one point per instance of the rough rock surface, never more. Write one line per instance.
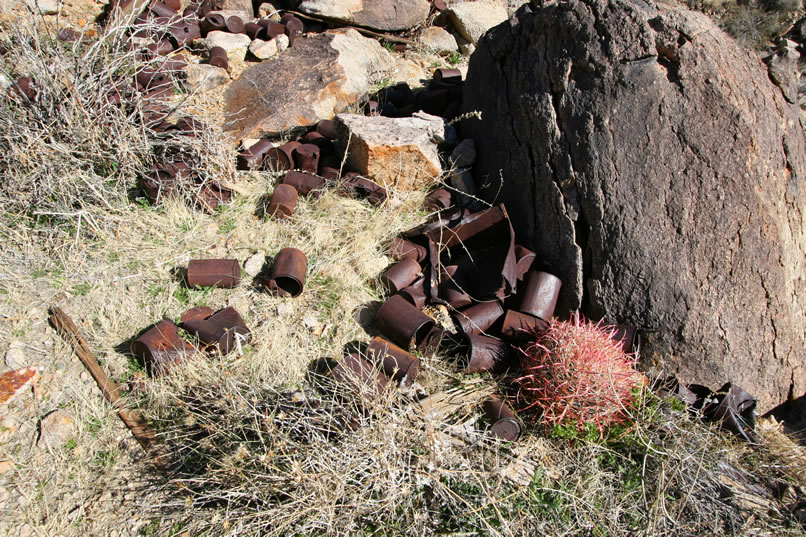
(263, 50)
(315, 79)
(244, 6)
(472, 19)
(397, 152)
(377, 14)
(235, 45)
(203, 77)
(438, 39)
(55, 429)
(657, 170)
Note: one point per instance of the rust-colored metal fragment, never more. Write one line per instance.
(397, 363)
(402, 323)
(540, 296)
(279, 159)
(283, 202)
(213, 22)
(362, 187)
(184, 31)
(502, 418)
(142, 432)
(255, 31)
(450, 76)
(288, 273)
(235, 25)
(224, 330)
(273, 28)
(327, 128)
(12, 383)
(293, 28)
(196, 314)
(224, 273)
(525, 259)
(415, 293)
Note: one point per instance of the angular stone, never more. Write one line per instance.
(384, 15)
(268, 10)
(315, 79)
(235, 45)
(243, 6)
(653, 165)
(254, 264)
(55, 429)
(263, 50)
(410, 72)
(282, 42)
(438, 39)
(201, 77)
(464, 154)
(15, 355)
(396, 152)
(13, 383)
(472, 19)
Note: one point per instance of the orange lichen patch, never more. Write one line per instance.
(14, 382)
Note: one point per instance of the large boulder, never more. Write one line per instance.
(658, 171)
(384, 15)
(315, 79)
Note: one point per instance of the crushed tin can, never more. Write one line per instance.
(224, 273)
(401, 249)
(415, 294)
(252, 157)
(438, 200)
(279, 159)
(488, 354)
(519, 327)
(161, 348)
(306, 156)
(359, 374)
(224, 330)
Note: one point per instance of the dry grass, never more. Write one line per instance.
(256, 455)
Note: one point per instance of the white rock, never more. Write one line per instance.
(254, 264)
(438, 39)
(45, 7)
(397, 152)
(245, 16)
(282, 42)
(15, 355)
(267, 9)
(263, 50)
(201, 77)
(235, 45)
(410, 72)
(472, 19)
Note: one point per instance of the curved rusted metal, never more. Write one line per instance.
(283, 202)
(224, 273)
(397, 363)
(160, 348)
(500, 415)
(539, 298)
(401, 275)
(288, 273)
(402, 323)
(479, 317)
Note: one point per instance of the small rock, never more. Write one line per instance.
(397, 152)
(464, 154)
(201, 77)
(5, 82)
(54, 430)
(311, 322)
(244, 6)
(254, 264)
(6, 466)
(45, 7)
(267, 10)
(263, 50)
(285, 308)
(439, 40)
(410, 72)
(472, 19)
(235, 45)
(15, 382)
(282, 42)
(15, 355)
(245, 16)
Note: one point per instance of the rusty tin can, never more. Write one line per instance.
(540, 296)
(218, 58)
(288, 272)
(397, 363)
(502, 418)
(360, 374)
(479, 317)
(279, 159)
(518, 327)
(415, 293)
(401, 249)
(402, 323)
(225, 273)
(283, 202)
(223, 329)
(488, 354)
(160, 348)
(400, 275)
(252, 157)
(306, 156)
(305, 183)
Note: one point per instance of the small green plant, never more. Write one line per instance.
(82, 289)
(576, 373)
(454, 59)
(227, 226)
(71, 444)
